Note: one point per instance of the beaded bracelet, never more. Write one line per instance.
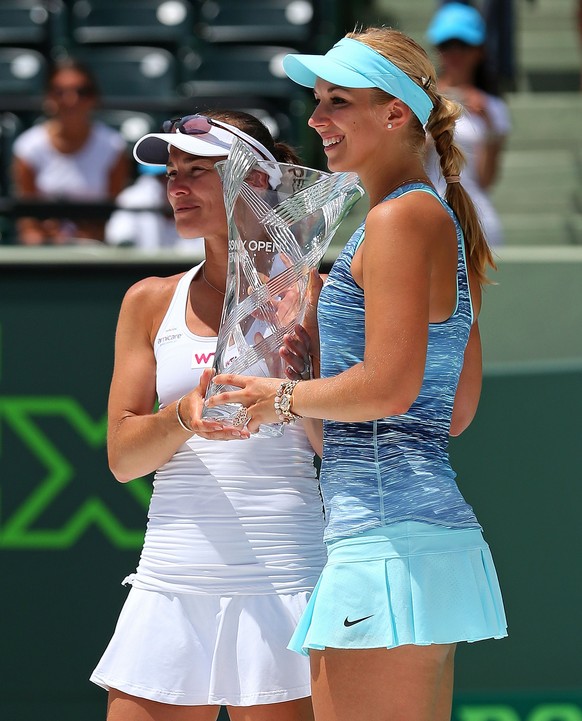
(179, 417)
(283, 402)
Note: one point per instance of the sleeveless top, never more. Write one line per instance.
(235, 517)
(396, 468)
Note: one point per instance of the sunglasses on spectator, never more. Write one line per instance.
(202, 125)
(83, 91)
(454, 45)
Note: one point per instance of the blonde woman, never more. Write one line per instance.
(408, 574)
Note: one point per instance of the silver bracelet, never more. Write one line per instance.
(283, 402)
(179, 417)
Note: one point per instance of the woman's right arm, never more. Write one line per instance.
(139, 441)
(23, 177)
(30, 230)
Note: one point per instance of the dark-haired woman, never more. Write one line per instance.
(234, 544)
(68, 157)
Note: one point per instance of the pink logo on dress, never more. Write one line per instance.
(202, 359)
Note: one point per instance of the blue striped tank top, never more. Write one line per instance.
(396, 468)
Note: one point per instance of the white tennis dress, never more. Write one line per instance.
(232, 551)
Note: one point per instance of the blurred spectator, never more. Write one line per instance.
(133, 225)
(499, 16)
(458, 32)
(68, 156)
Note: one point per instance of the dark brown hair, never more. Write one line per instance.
(69, 63)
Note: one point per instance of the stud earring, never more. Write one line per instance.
(389, 126)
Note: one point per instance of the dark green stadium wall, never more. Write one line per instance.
(70, 533)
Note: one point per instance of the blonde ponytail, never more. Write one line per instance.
(411, 58)
(441, 126)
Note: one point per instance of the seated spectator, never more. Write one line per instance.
(458, 32)
(69, 156)
(134, 226)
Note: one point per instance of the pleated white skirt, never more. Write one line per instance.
(200, 649)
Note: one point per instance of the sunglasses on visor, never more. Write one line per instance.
(202, 125)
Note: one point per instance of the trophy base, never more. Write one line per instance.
(228, 411)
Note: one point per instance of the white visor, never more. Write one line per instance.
(153, 148)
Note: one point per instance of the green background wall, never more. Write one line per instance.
(69, 533)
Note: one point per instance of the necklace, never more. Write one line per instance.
(426, 181)
(205, 279)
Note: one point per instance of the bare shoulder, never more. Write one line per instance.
(413, 218)
(150, 292)
(146, 301)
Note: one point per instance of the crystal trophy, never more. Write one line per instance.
(281, 219)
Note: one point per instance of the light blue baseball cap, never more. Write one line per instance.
(455, 21)
(353, 64)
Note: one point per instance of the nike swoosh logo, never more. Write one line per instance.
(358, 620)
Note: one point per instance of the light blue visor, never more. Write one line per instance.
(352, 64)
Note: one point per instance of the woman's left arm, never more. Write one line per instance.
(470, 380)
(393, 265)
(469, 387)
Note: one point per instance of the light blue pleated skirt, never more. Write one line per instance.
(406, 583)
